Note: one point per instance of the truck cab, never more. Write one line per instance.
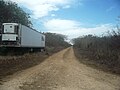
(9, 34)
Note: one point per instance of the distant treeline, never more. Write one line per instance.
(55, 42)
(103, 50)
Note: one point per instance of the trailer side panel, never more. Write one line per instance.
(31, 38)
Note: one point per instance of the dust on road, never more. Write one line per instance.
(61, 71)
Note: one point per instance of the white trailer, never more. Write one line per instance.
(17, 35)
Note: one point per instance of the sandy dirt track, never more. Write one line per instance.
(61, 71)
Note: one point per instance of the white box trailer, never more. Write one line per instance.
(17, 35)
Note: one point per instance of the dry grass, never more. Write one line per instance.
(89, 59)
(11, 64)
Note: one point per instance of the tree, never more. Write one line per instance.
(11, 13)
(56, 40)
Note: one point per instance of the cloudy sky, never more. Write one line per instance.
(72, 17)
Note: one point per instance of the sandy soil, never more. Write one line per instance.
(61, 71)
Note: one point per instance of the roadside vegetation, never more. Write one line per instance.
(55, 42)
(103, 52)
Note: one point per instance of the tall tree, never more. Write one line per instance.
(10, 12)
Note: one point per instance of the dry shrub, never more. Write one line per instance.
(11, 64)
(103, 50)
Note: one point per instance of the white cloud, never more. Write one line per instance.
(67, 6)
(53, 15)
(41, 8)
(59, 24)
(74, 29)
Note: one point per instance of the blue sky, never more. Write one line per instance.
(72, 17)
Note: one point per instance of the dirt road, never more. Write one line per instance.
(61, 71)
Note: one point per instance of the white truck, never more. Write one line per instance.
(17, 35)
